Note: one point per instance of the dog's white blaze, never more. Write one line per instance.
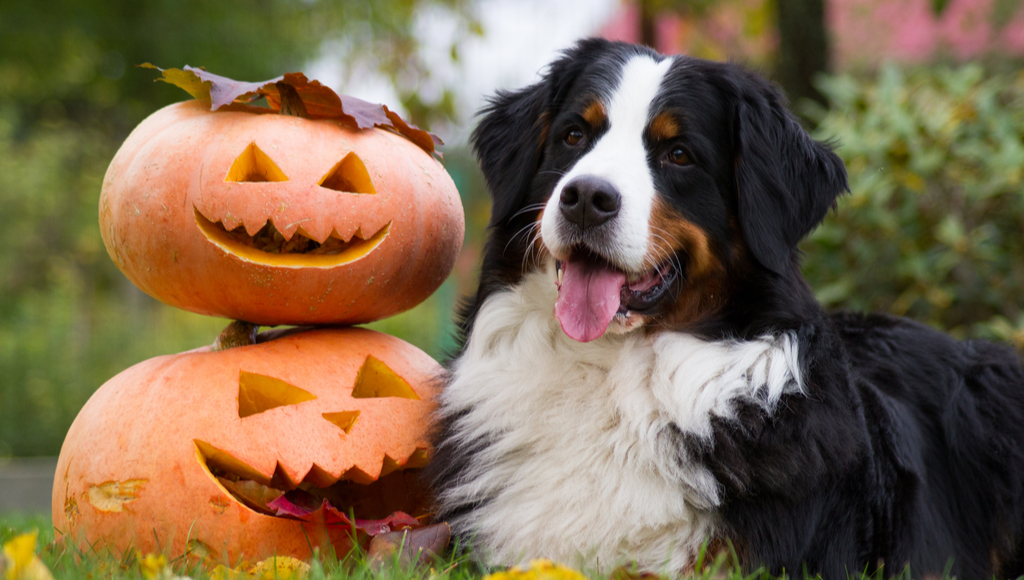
(581, 465)
(619, 156)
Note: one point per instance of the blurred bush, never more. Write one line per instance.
(933, 227)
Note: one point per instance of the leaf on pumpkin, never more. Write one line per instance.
(411, 546)
(320, 101)
(183, 79)
(224, 91)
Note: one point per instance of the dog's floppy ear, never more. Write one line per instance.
(510, 139)
(508, 142)
(786, 180)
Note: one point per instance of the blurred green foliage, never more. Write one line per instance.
(69, 95)
(932, 228)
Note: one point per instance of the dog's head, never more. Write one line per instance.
(663, 188)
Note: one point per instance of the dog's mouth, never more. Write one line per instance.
(592, 291)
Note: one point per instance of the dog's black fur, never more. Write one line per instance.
(907, 446)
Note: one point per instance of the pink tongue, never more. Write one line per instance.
(587, 299)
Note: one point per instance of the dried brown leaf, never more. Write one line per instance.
(224, 91)
(411, 546)
(319, 101)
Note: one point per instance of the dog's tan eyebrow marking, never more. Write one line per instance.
(595, 114)
(664, 127)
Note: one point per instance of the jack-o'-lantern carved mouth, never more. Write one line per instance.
(297, 249)
(372, 497)
(396, 490)
(270, 247)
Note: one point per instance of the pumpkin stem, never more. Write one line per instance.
(238, 333)
(291, 102)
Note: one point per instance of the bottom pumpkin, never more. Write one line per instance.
(302, 442)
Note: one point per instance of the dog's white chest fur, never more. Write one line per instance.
(578, 454)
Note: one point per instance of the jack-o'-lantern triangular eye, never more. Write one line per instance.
(254, 165)
(349, 175)
(376, 379)
(258, 393)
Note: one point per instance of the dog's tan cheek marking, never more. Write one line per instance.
(703, 290)
(670, 233)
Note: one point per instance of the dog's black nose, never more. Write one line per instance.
(588, 201)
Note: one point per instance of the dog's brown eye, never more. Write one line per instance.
(679, 157)
(574, 136)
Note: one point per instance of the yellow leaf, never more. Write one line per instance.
(222, 572)
(22, 563)
(152, 565)
(538, 570)
(279, 568)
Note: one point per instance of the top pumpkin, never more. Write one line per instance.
(274, 219)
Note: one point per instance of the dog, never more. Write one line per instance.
(644, 374)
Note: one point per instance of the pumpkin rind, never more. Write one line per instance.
(131, 476)
(172, 172)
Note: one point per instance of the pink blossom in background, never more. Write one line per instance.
(863, 32)
(729, 30)
(624, 25)
(867, 31)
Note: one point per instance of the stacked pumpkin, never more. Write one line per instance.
(317, 210)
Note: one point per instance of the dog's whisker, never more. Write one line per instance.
(529, 208)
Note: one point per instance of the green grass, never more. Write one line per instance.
(68, 564)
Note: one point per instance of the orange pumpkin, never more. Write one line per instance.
(274, 219)
(191, 453)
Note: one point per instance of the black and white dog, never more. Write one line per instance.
(645, 370)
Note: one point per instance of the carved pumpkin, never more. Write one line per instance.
(182, 454)
(273, 219)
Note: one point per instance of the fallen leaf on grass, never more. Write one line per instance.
(152, 565)
(273, 568)
(624, 573)
(538, 570)
(410, 546)
(279, 568)
(19, 561)
(155, 567)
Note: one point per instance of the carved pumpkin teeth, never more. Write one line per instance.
(270, 247)
(395, 489)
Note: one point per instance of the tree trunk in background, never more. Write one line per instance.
(803, 48)
(647, 18)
